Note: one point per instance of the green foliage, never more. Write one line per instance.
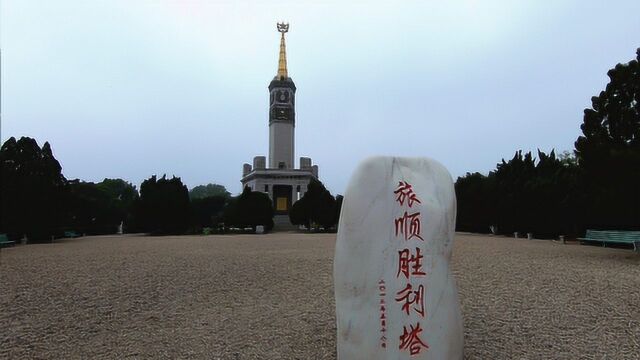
(568, 158)
(611, 128)
(99, 208)
(36, 200)
(595, 189)
(209, 190)
(521, 195)
(609, 150)
(298, 214)
(119, 190)
(476, 211)
(163, 207)
(208, 211)
(31, 189)
(317, 206)
(250, 209)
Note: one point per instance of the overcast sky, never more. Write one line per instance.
(127, 89)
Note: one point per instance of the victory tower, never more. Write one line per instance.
(280, 180)
(282, 112)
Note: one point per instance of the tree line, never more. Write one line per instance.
(37, 201)
(595, 187)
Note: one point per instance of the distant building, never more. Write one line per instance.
(280, 179)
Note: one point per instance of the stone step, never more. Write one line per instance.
(282, 223)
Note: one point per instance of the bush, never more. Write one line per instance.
(163, 207)
(317, 206)
(250, 209)
(98, 208)
(31, 190)
(208, 211)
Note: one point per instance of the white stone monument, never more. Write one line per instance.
(396, 297)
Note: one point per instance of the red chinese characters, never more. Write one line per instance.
(383, 313)
(408, 296)
(410, 266)
(409, 226)
(404, 192)
(410, 340)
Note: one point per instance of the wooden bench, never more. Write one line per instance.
(4, 240)
(71, 234)
(613, 236)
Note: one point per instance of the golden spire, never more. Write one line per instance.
(282, 62)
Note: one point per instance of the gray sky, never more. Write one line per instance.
(133, 88)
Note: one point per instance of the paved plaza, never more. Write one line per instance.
(271, 297)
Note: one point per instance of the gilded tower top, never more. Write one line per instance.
(282, 62)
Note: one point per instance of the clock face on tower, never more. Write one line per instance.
(282, 96)
(282, 106)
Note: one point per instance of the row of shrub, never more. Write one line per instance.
(595, 187)
(37, 201)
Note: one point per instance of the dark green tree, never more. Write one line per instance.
(523, 194)
(596, 188)
(209, 190)
(511, 201)
(31, 190)
(552, 195)
(123, 196)
(163, 207)
(609, 151)
(208, 211)
(476, 202)
(299, 215)
(317, 206)
(99, 208)
(250, 209)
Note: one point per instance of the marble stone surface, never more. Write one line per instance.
(395, 295)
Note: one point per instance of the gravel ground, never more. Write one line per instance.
(271, 297)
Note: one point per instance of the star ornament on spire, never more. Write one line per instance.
(283, 27)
